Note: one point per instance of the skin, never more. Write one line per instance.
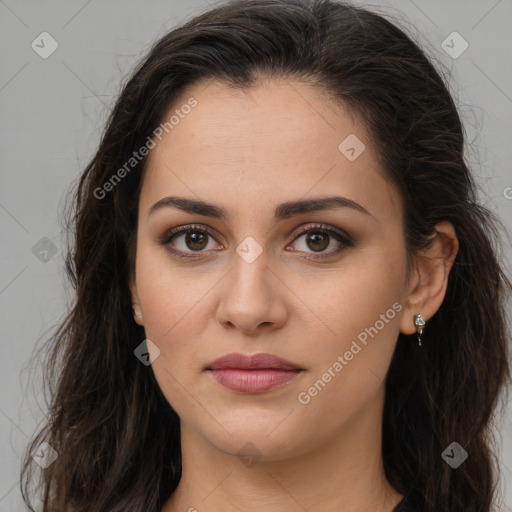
(248, 151)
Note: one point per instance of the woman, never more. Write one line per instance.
(287, 295)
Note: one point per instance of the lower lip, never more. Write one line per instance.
(253, 381)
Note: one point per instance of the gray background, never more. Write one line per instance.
(52, 112)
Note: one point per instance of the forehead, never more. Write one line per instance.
(273, 142)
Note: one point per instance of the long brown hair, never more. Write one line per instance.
(116, 436)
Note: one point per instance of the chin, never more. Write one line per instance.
(259, 434)
(250, 449)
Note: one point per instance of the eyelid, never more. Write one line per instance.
(321, 227)
(190, 227)
(165, 239)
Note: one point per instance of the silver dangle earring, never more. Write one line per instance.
(419, 322)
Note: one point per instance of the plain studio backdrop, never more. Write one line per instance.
(54, 99)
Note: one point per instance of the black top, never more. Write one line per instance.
(405, 506)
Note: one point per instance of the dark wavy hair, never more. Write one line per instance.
(116, 436)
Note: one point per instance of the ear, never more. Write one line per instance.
(429, 277)
(137, 311)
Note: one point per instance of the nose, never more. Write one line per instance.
(253, 298)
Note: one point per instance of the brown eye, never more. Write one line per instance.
(186, 240)
(317, 241)
(196, 241)
(317, 238)
(193, 241)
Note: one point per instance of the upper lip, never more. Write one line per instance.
(251, 362)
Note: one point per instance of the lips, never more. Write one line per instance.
(252, 374)
(256, 361)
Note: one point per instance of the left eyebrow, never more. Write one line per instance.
(289, 209)
(283, 211)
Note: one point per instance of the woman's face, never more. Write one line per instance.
(331, 306)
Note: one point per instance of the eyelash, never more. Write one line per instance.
(340, 236)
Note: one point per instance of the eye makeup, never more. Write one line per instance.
(340, 236)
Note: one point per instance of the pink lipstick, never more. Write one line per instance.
(252, 374)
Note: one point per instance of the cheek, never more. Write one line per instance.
(355, 297)
(173, 304)
(350, 365)
(173, 300)
(361, 306)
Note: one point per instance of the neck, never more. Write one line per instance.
(344, 473)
